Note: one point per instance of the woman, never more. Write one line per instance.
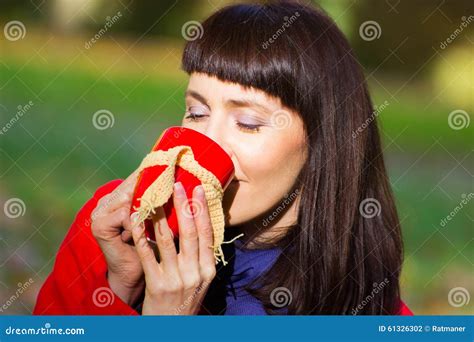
(278, 87)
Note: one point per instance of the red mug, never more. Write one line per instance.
(206, 152)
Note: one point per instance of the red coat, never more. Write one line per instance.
(78, 284)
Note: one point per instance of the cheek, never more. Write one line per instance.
(272, 160)
(271, 168)
(274, 170)
(254, 160)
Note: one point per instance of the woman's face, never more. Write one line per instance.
(264, 139)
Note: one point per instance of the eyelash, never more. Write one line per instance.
(245, 127)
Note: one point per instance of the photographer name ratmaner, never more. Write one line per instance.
(436, 328)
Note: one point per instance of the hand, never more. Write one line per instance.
(177, 284)
(111, 227)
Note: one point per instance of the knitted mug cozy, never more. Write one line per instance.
(159, 192)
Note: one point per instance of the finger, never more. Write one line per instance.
(144, 251)
(165, 242)
(206, 236)
(127, 226)
(126, 236)
(123, 194)
(188, 238)
(131, 179)
(110, 226)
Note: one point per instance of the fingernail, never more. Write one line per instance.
(179, 189)
(200, 191)
(134, 218)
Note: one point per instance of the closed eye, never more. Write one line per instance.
(195, 116)
(196, 113)
(248, 127)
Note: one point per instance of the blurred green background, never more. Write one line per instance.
(53, 79)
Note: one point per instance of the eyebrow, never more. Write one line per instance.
(231, 102)
(197, 96)
(249, 103)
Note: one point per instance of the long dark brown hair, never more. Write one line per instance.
(347, 241)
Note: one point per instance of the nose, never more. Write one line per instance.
(217, 133)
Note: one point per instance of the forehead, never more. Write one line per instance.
(216, 90)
